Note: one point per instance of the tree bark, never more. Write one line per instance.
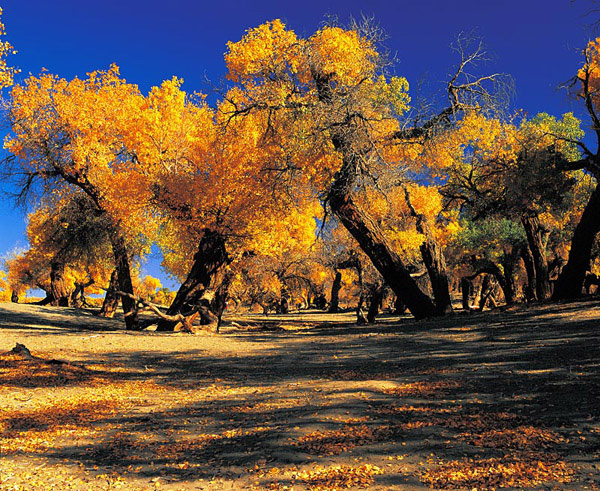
(58, 285)
(14, 297)
(125, 284)
(334, 304)
(111, 299)
(211, 255)
(570, 281)
(533, 230)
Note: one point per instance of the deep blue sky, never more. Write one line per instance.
(536, 41)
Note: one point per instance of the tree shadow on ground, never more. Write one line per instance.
(513, 385)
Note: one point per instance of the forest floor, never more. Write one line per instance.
(503, 399)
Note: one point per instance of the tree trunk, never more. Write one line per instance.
(509, 264)
(375, 299)
(58, 285)
(533, 230)
(14, 297)
(111, 299)
(211, 255)
(433, 258)
(372, 241)
(399, 307)
(530, 270)
(78, 295)
(334, 305)
(219, 303)
(345, 139)
(570, 281)
(434, 261)
(125, 284)
(466, 288)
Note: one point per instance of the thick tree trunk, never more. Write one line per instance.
(14, 297)
(434, 261)
(211, 255)
(111, 299)
(570, 281)
(533, 230)
(377, 247)
(346, 139)
(58, 285)
(125, 284)
(334, 305)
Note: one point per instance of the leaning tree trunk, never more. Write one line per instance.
(361, 226)
(211, 255)
(375, 245)
(570, 281)
(125, 284)
(111, 299)
(334, 305)
(533, 230)
(58, 285)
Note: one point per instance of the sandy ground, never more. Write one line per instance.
(303, 401)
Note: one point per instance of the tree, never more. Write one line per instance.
(500, 169)
(586, 82)
(68, 134)
(329, 95)
(7, 72)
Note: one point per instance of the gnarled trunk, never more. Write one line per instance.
(111, 299)
(211, 255)
(570, 281)
(124, 280)
(78, 295)
(533, 230)
(334, 304)
(360, 225)
(58, 285)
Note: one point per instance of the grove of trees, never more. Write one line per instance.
(313, 180)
